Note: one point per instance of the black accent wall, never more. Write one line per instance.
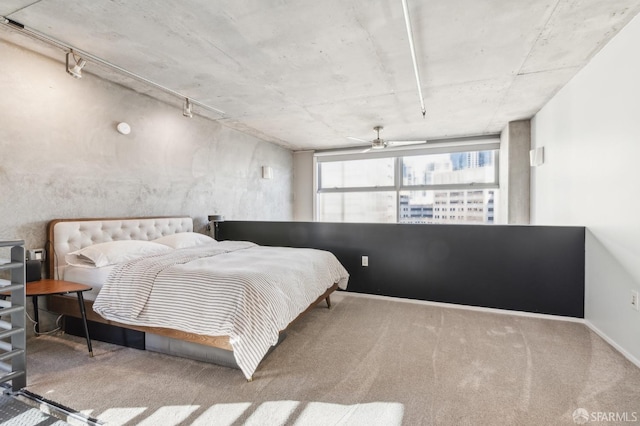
(525, 268)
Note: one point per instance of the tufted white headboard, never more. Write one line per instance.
(67, 235)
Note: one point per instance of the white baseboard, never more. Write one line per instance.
(468, 307)
(617, 347)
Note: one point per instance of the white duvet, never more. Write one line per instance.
(231, 288)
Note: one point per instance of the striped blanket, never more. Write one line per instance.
(231, 288)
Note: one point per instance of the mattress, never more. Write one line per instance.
(95, 277)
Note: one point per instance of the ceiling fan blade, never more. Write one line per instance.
(365, 150)
(357, 139)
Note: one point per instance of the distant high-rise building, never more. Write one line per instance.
(448, 206)
(470, 160)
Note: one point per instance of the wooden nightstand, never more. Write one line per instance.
(48, 287)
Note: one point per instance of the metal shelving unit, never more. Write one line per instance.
(13, 362)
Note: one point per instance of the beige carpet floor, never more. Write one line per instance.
(366, 361)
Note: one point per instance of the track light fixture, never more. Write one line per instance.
(75, 70)
(186, 111)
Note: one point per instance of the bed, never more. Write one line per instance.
(226, 302)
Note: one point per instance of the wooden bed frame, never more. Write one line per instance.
(67, 305)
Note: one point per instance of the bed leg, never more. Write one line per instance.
(250, 379)
(328, 299)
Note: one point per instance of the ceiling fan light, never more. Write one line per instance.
(378, 144)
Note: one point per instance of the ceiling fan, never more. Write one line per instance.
(378, 143)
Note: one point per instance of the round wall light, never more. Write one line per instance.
(123, 128)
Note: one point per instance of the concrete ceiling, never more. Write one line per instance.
(307, 74)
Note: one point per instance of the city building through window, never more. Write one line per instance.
(410, 186)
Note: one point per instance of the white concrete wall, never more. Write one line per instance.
(591, 135)
(60, 155)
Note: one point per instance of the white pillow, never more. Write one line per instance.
(184, 239)
(112, 252)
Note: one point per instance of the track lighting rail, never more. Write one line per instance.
(17, 26)
(407, 22)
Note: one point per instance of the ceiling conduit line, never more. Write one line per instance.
(97, 60)
(407, 21)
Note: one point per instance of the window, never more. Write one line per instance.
(357, 191)
(409, 186)
(358, 207)
(376, 172)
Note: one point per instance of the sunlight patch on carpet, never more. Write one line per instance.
(221, 414)
(272, 412)
(120, 416)
(169, 415)
(374, 413)
(269, 412)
